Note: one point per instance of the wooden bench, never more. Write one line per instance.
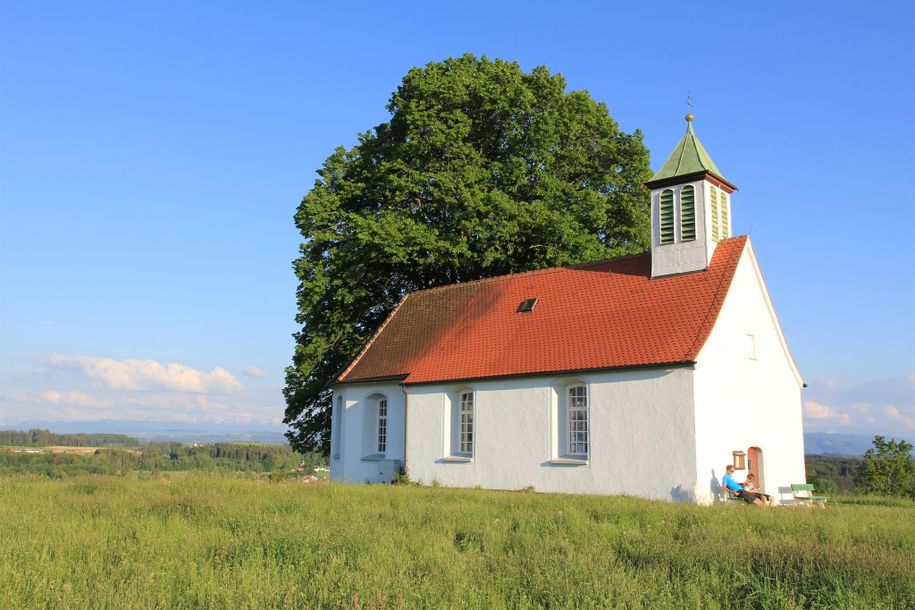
(731, 496)
(803, 495)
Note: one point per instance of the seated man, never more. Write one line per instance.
(733, 488)
(752, 485)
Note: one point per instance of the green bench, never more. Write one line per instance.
(803, 495)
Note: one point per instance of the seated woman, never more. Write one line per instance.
(752, 485)
(731, 487)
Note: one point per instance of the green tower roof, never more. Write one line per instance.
(689, 157)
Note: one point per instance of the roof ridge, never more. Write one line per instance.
(486, 279)
(504, 276)
(602, 261)
(686, 140)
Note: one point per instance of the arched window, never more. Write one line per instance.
(382, 425)
(667, 216)
(716, 233)
(578, 421)
(374, 412)
(466, 423)
(687, 213)
(725, 233)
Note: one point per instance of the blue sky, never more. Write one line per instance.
(152, 156)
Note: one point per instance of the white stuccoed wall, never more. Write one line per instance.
(642, 435)
(359, 426)
(743, 402)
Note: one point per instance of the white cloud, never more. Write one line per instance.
(815, 410)
(149, 375)
(882, 406)
(895, 414)
(58, 398)
(54, 405)
(178, 401)
(253, 371)
(829, 384)
(87, 388)
(72, 399)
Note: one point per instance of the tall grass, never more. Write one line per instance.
(205, 541)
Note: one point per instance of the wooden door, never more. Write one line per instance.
(754, 464)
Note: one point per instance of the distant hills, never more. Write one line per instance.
(196, 436)
(179, 432)
(824, 443)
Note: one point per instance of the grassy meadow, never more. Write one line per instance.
(217, 541)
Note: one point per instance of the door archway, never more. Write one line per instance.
(755, 465)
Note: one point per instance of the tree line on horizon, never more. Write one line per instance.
(279, 459)
(39, 437)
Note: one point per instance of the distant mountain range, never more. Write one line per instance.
(824, 443)
(180, 432)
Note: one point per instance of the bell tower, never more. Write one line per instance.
(690, 208)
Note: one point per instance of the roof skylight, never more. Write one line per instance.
(527, 305)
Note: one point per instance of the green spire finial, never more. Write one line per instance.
(689, 156)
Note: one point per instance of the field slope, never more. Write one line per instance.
(206, 541)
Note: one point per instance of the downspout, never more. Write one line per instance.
(406, 400)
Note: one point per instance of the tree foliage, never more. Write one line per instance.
(888, 468)
(832, 474)
(481, 170)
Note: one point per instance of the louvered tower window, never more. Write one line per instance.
(716, 233)
(667, 217)
(724, 216)
(687, 213)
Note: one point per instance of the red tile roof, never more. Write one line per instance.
(608, 314)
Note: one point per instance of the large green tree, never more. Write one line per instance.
(481, 170)
(888, 468)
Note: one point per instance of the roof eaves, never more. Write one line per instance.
(623, 367)
(700, 175)
(371, 379)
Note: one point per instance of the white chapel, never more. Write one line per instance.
(643, 375)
